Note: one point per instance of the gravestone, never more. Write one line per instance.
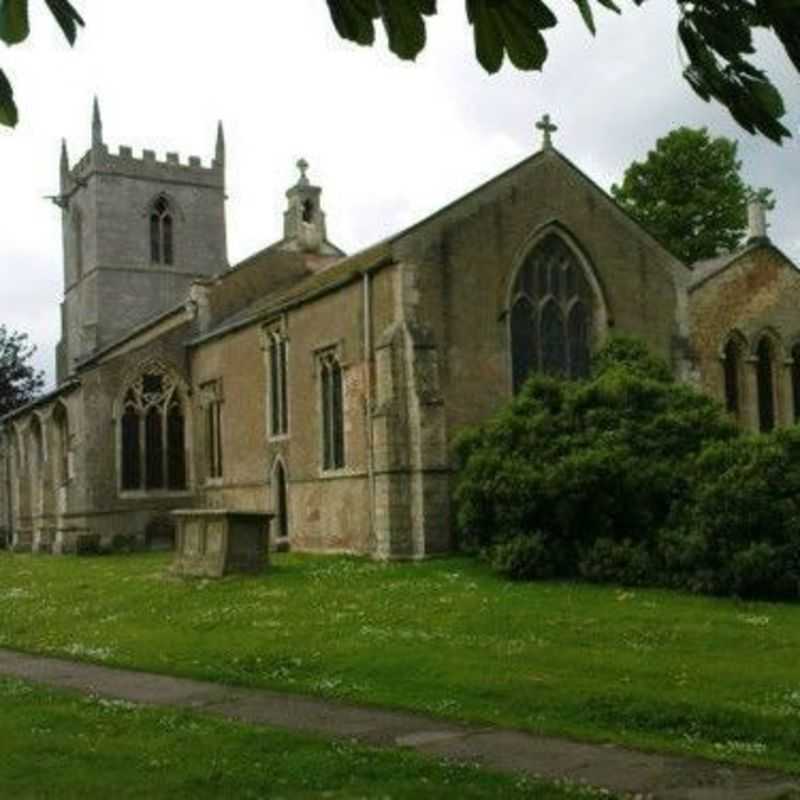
(215, 542)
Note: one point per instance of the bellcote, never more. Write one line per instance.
(304, 220)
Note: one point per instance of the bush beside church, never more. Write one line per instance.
(633, 478)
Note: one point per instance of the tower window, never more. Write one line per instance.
(162, 245)
(308, 211)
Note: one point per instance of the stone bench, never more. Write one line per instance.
(215, 542)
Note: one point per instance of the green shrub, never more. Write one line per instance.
(626, 562)
(603, 458)
(743, 513)
(524, 558)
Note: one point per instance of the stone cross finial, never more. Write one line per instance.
(303, 166)
(548, 128)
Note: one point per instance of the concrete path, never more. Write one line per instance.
(627, 772)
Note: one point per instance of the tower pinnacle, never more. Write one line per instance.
(220, 149)
(97, 124)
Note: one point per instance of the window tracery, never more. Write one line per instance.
(153, 434)
(162, 246)
(550, 314)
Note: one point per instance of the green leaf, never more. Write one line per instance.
(354, 19)
(8, 109)
(405, 27)
(67, 18)
(14, 26)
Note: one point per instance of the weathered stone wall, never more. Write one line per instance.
(327, 510)
(461, 265)
(757, 294)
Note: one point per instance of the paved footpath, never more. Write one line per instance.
(627, 772)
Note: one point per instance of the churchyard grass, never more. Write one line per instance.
(647, 668)
(59, 745)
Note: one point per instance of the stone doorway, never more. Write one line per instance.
(280, 505)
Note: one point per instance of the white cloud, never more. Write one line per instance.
(389, 141)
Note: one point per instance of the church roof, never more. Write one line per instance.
(381, 254)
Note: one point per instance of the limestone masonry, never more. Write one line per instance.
(327, 389)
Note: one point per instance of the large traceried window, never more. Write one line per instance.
(162, 244)
(278, 368)
(153, 434)
(551, 314)
(332, 401)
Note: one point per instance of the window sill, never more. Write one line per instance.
(278, 438)
(214, 483)
(155, 494)
(342, 472)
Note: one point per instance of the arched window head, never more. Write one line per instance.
(765, 370)
(551, 314)
(153, 434)
(162, 246)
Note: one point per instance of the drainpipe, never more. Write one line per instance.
(367, 304)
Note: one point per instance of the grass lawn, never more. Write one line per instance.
(648, 668)
(58, 745)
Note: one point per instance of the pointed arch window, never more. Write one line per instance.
(765, 374)
(278, 369)
(551, 314)
(796, 381)
(162, 225)
(733, 376)
(153, 434)
(332, 401)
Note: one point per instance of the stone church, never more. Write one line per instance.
(328, 388)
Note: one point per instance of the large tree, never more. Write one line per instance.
(20, 382)
(689, 194)
(717, 39)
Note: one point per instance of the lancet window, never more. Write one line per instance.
(765, 374)
(162, 245)
(153, 434)
(332, 398)
(733, 376)
(796, 382)
(278, 366)
(551, 314)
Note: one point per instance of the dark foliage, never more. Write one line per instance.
(633, 478)
(19, 381)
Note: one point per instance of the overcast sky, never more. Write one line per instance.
(389, 141)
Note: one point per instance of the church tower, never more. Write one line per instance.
(137, 232)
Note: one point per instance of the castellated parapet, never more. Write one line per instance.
(148, 166)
